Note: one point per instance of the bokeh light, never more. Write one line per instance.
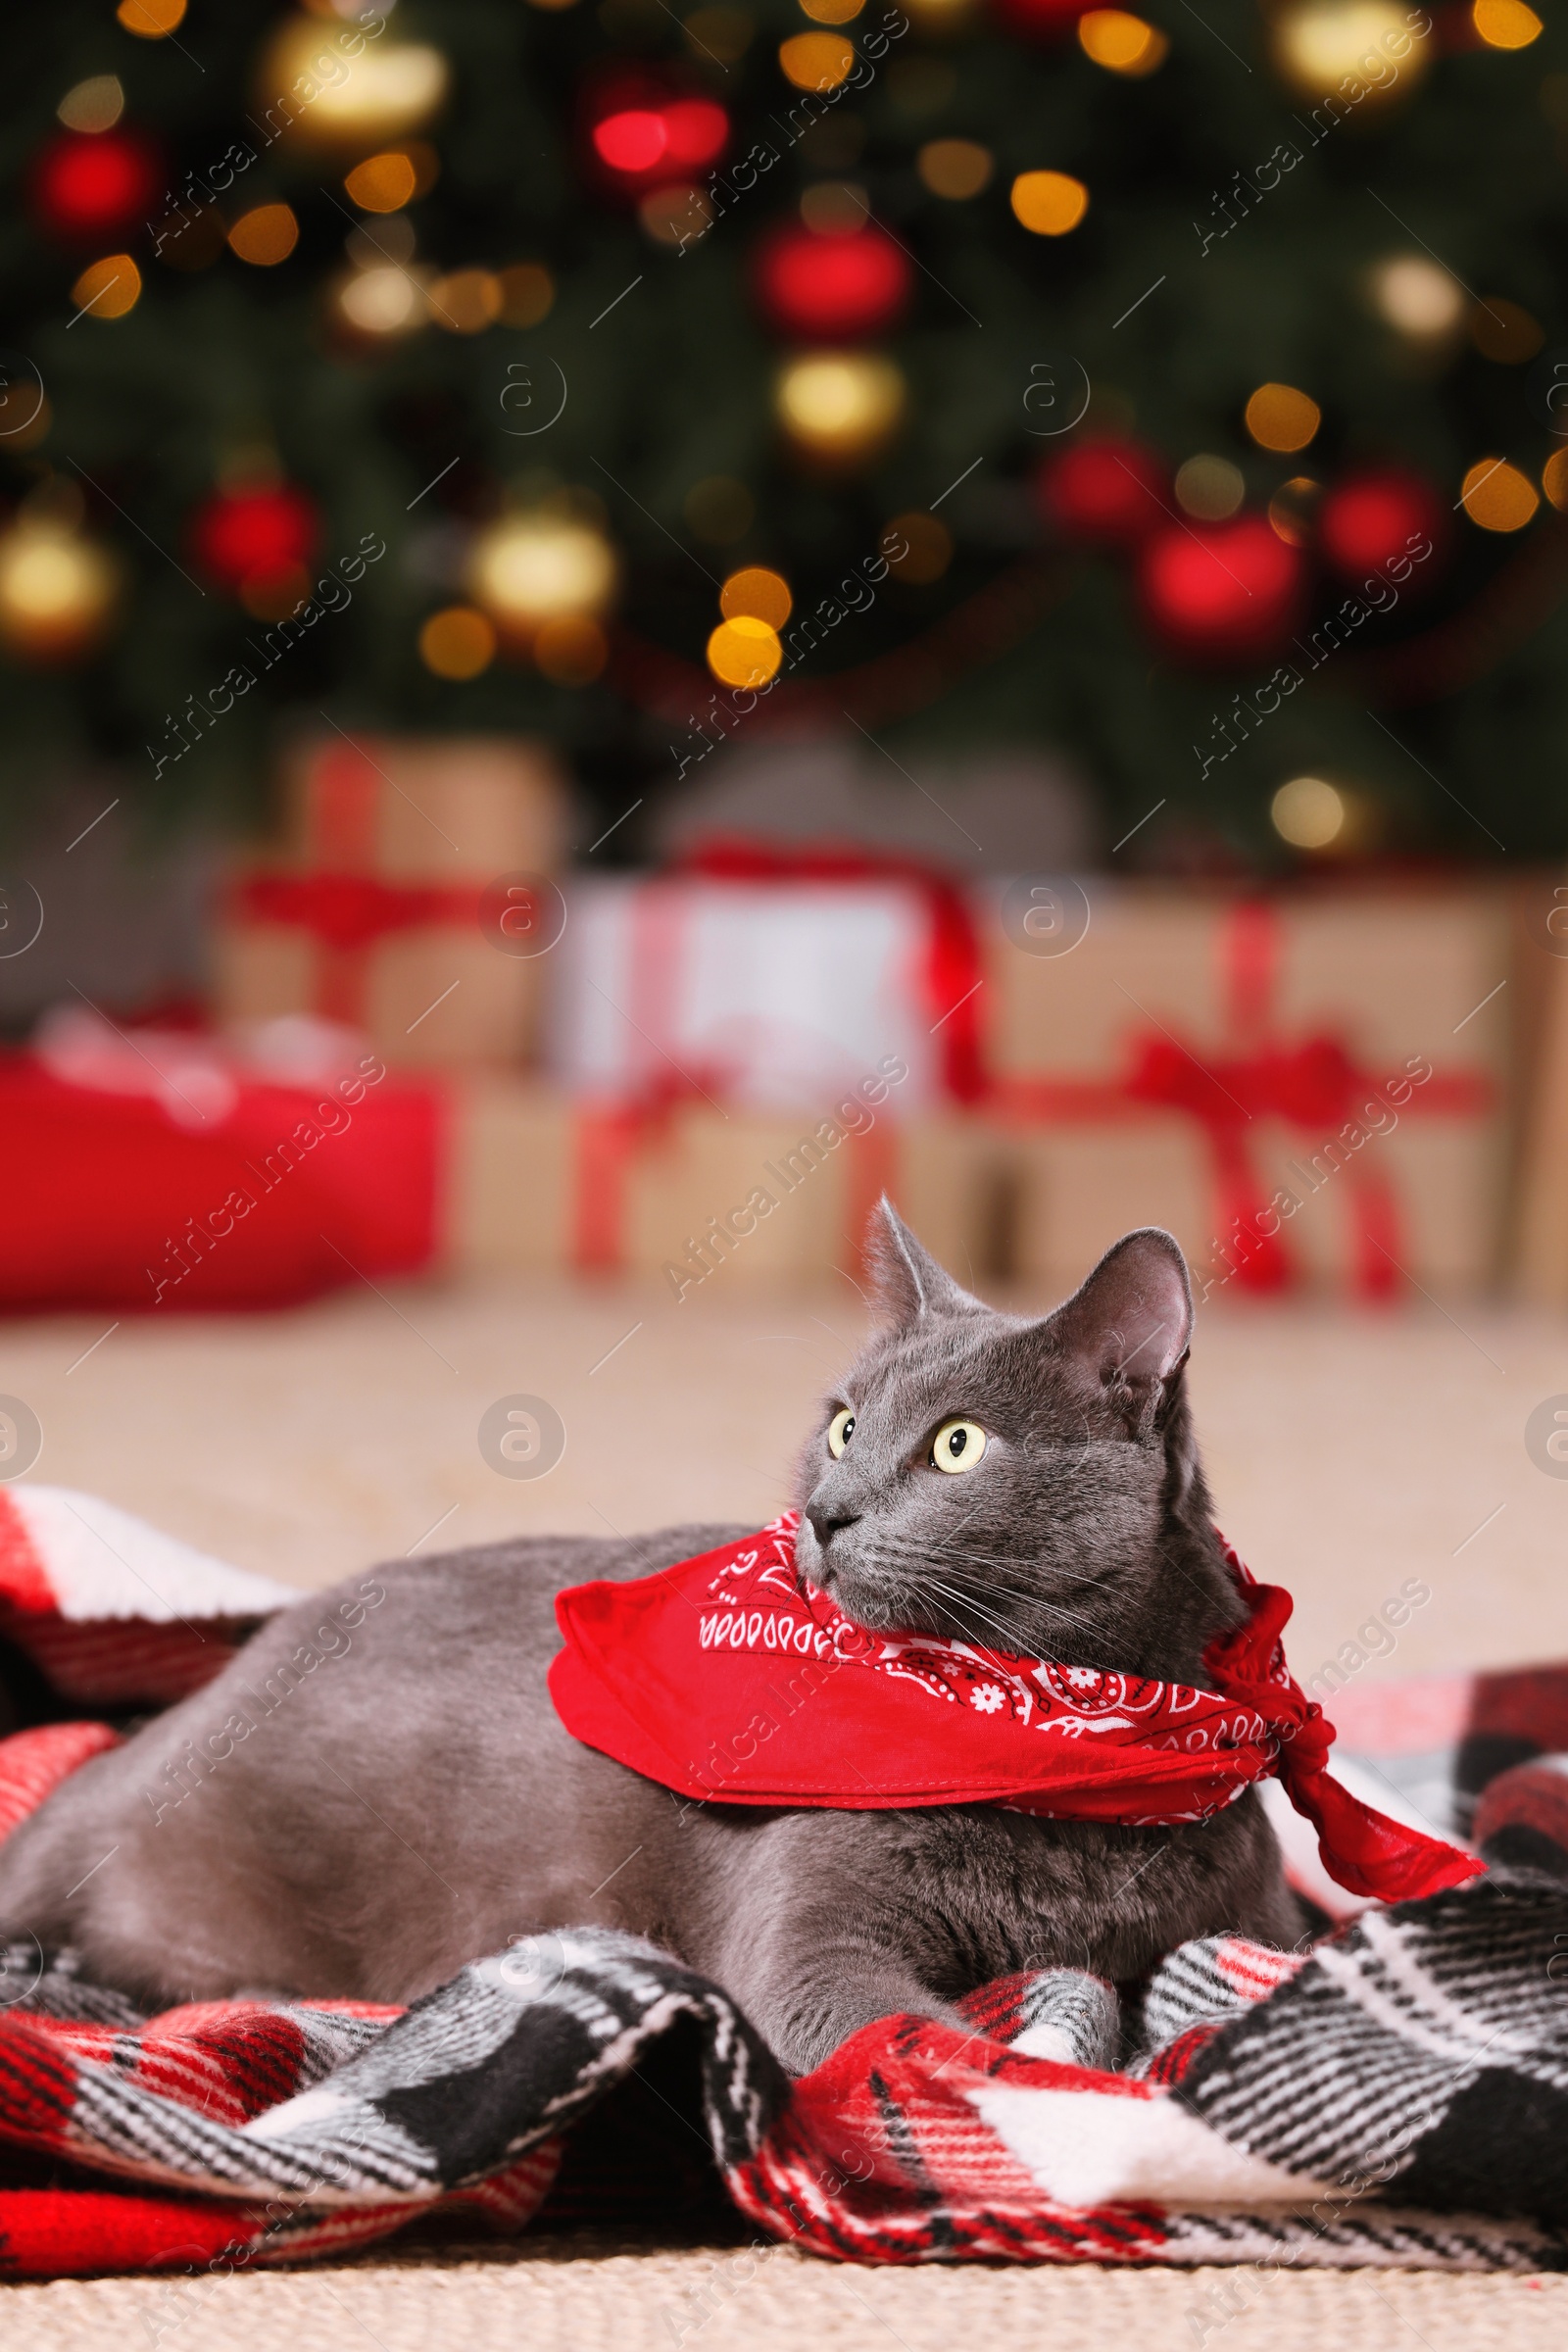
(94, 104)
(1210, 488)
(1554, 478)
(527, 294)
(817, 61)
(529, 569)
(928, 548)
(265, 235)
(1505, 24)
(109, 288)
(1049, 203)
(1307, 812)
(570, 651)
(839, 406)
(458, 642)
(744, 651)
(1418, 297)
(151, 20)
(467, 301)
(1497, 496)
(1506, 331)
(1280, 417)
(955, 168)
(383, 183)
(1120, 42)
(756, 594)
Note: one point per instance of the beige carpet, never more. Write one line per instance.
(1348, 1452)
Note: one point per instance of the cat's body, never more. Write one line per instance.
(411, 1800)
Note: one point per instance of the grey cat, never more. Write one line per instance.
(363, 1823)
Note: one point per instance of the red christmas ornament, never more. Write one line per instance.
(1221, 592)
(831, 286)
(244, 536)
(1040, 20)
(87, 186)
(1371, 517)
(1105, 491)
(645, 135)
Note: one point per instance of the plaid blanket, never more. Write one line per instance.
(1395, 2096)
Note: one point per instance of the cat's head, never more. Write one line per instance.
(1031, 1484)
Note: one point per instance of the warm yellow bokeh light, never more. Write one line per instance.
(390, 89)
(817, 61)
(1280, 417)
(1293, 509)
(535, 567)
(955, 167)
(1554, 478)
(458, 642)
(1050, 203)
(1497, 496)
(756, 594)
(1417, 297)
(839, 406)
(109, 288)
(1317, 45)
(384, 301)
(383, 183)
(1120, 42)
(831, 12)
(570, 651)
(151, 20)
(265, 235)
(1307, 812)
(93, 106)
(744, 651)
(466, 302)
(1505, 24)
(56, 590)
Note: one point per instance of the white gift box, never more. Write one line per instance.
(767, 995)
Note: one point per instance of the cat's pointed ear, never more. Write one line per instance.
(1131, 1322)
(905, 1280)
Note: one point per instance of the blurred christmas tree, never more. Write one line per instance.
(1186, 389)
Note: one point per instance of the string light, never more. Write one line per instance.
(955, 167)
(530, 569)
(466, 302)
(744, 651)
(94, 104)
(384, 301)
(570, 651)
(1316, 46)
(831, 12)
(1121, 43)
(393, 89)
(1280, 417)
(839, 406)
(57, 590)
(817, 61)
(756, 594)
(109, 288)
(458, 642)
(1292, 508)
(1505, 24)
(151, 20)
(265, 235)
(1417, 297)
(1554, 478)
(1209, 488)
(1307, 812)
(1497, 496)
(383, 183)
(1049, 203)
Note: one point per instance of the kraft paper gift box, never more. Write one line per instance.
(1204, 1062)
(374, 912)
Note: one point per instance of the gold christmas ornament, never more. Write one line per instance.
(531, 568)
(1358, 52)
(840, 407)
(57, 590)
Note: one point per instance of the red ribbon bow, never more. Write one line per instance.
(724, 1678)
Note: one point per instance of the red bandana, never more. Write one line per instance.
(725, 1677)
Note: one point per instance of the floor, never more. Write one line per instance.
(1348, 1452)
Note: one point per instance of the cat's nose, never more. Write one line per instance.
(828, 1518)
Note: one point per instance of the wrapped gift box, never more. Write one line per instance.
(1207, 1062)
(372, 911)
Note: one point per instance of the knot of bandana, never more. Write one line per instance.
(731, 1677)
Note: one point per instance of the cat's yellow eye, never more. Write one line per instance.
(840, 1429)
(957, 1446)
